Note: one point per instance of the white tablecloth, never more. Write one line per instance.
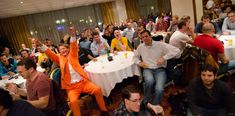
(228, 49)
(106, 73)
(19, 81)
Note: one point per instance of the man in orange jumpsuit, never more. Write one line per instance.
(73, 77)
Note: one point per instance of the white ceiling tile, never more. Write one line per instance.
(9, 8)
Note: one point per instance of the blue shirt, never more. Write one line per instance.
(11, 67)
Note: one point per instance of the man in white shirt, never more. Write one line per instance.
(152, 56)
(228, 26)
(179, 38)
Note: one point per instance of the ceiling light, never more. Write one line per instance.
(21, 2)
(57, 22)
(62, 20)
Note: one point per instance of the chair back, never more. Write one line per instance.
(193, 58)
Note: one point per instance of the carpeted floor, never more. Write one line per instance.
(90, 108)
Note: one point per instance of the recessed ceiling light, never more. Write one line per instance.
(21, 2)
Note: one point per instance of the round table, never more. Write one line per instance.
(229, 45)
(19, 81)
(106, 73)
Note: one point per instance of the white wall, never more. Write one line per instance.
(199, 9)
(120, 11)
(182, 8)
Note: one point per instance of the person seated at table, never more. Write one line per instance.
(8, 107)
(228, 26)
(128, 32)
(152, 56)
(119, 43)
(99, 46)
(137, 37)
(26, 54)
(174, 24)
(86, 39)
(134, 105)
(85, 56)
(179, 38)
(206, 19)
(7, 52)
(208, 96)
(214, 47)
(38, 87)
(73, 78)
(23, 47)
(7, 66)
(161, 25)
(150, 26)
(107, 36)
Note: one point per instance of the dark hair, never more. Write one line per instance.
(5, 99)
(145, 31)
(2, 54)
(95, 33)
(24, 50)
(126, 92)
(206, 16)
(28, 63)
(210, 68)
(182, 23)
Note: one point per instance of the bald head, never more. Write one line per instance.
(208, 28)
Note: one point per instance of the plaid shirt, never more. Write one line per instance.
(122, 111)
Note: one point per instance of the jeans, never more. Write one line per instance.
(209, 112)
(155, 80)
(226, 67)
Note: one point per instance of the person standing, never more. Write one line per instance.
(152, 56)
(73, 78)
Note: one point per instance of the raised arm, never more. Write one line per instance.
(54, 57)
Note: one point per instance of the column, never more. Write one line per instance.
(192, 8)
(120, 11)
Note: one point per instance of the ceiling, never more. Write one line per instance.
(11, 8)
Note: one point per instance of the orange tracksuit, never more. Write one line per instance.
(84, 86)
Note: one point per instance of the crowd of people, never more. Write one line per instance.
(152, 53)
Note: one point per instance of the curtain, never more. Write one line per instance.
(107, 12)
(45, 25)
(132, 9)
(16, 31)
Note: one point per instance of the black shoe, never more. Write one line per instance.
(104, 113)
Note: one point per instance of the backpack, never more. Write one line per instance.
(193, 58)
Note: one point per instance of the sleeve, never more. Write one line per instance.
(125, 42)
(106, 44)
(15, 66)
(73, 47)
(219, 47)
(225, 27)
(217, 29)
(51, 54)
(94, 50)
(197, 28)
(170, 51)
(137, 55)
(191, 99)
(1, 70)
(124, 33)
(113, 43)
